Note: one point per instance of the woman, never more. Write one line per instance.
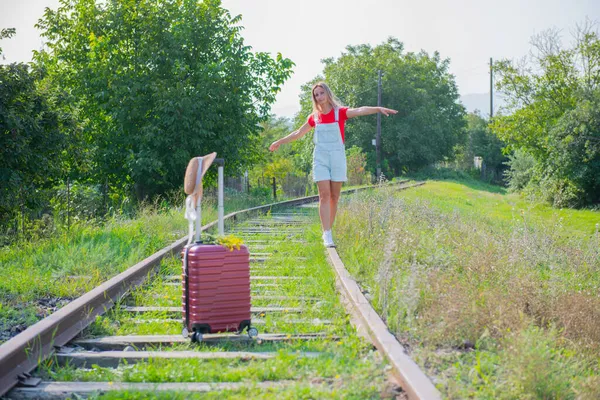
(329, 158)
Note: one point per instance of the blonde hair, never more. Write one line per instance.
(333, 100)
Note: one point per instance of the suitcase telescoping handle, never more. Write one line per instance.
(221, 163)
(221, 226)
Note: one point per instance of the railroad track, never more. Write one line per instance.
(123, 338)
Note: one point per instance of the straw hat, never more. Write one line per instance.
(193, 183)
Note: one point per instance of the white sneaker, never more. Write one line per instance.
(328, 239)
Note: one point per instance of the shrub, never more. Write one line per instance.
(520, 170)
(357, 163)
(82, 202)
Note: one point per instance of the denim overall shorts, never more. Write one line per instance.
(329, 157)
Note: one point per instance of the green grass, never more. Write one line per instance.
(492, 204)
(66, 267)
(346, 367)
(495, 297)
(335, 388)
(40, 277)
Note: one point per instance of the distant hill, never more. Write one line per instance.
(481, 102)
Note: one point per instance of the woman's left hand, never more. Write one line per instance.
(387, 111)
(274, 146)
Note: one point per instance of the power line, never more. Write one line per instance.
(363, 91)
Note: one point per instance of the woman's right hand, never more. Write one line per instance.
(387, 111)
(274, 146)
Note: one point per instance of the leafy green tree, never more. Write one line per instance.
(430, 122)
(33, 141)
(282, 163)
(481, 142)
(6, 33)
(553, 115)
(157, 83)
(271, 130)
(572, 169)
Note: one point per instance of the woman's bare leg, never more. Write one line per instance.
(325, 204)
(336, 189)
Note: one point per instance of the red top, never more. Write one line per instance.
(330, 118)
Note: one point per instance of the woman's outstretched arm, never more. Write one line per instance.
(360, 111)
(297, 134)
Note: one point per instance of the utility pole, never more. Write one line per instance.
(491, 88)
(378, 137)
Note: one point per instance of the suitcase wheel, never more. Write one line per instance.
(196, 337)
(252, 332)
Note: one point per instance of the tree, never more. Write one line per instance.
(481, 142)
(33, 138)
(158, 83)
(6, 33)
(553, 115)
(272, 129)
(273, 164)
(430, 121)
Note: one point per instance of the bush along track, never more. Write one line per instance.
(306, 347)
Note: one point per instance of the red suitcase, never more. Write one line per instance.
(216, 290)
(216, 282)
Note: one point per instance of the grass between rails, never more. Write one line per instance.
(495, 297)
(347, 366)
(320, 389)
(40, 277)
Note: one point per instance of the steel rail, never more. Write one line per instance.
(413, 381)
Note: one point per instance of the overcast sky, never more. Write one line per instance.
(468, 32)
